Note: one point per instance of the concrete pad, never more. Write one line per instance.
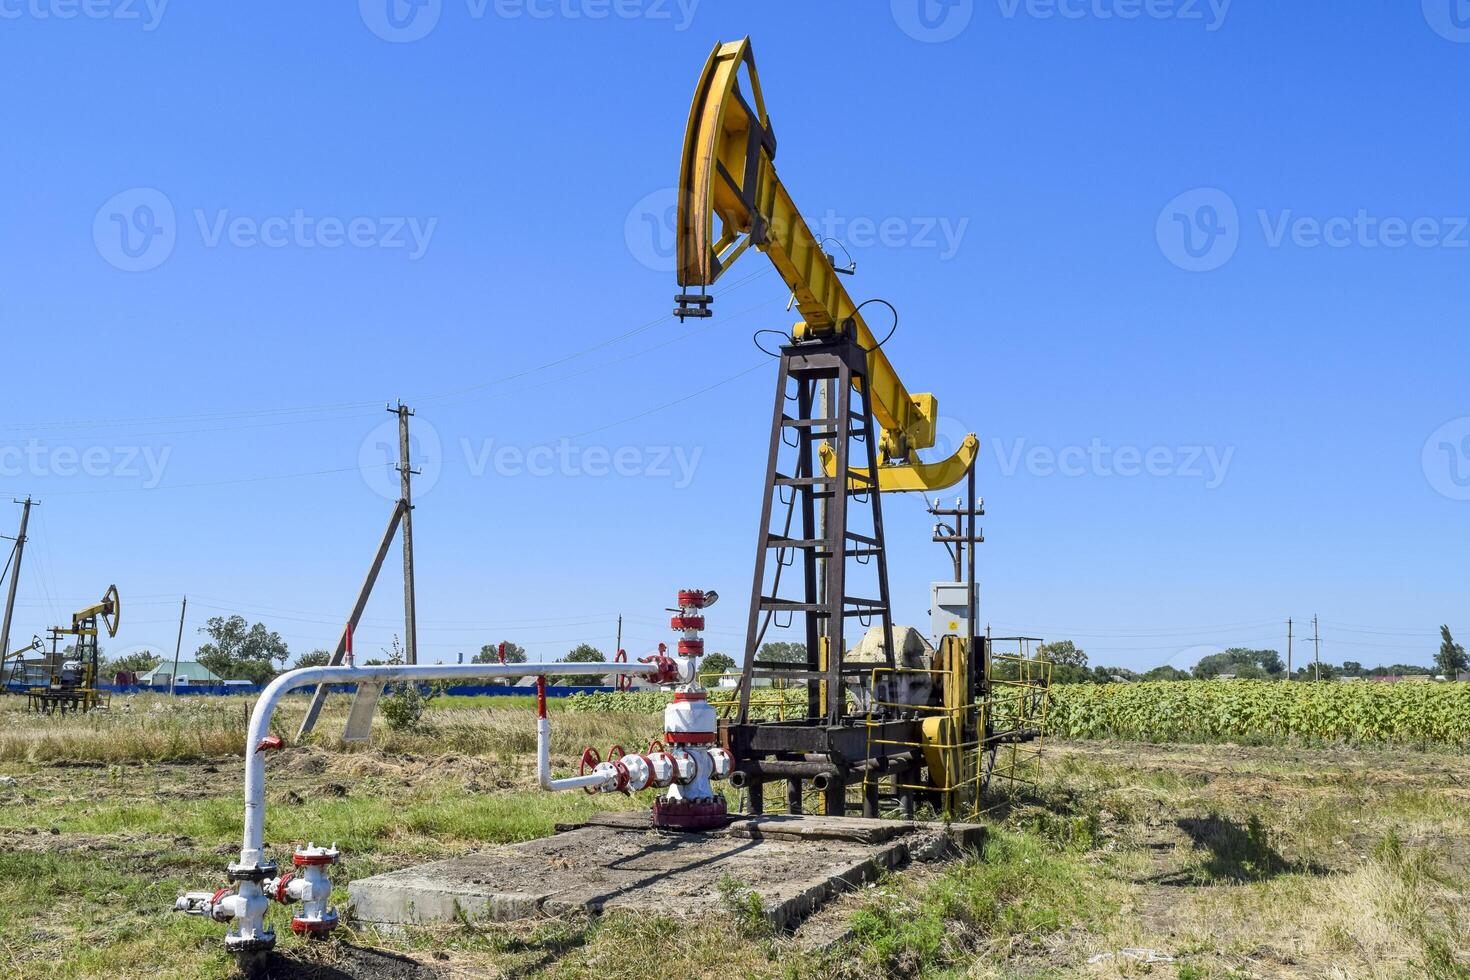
(616, 861)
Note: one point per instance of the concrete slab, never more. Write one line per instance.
(616, 861)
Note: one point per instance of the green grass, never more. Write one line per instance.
(1018, 886)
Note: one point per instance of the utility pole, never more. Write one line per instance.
(173, 679)
(965, 534)
(20, 545)
(618, 646)
(1288, 649)
(401, 516)
(1316, 651)
(406, 472)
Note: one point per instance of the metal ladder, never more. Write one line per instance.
(848, 429)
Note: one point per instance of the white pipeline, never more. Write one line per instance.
(258, 880)
(257, 739)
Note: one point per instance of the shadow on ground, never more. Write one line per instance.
(340, 961)
(1233, 853)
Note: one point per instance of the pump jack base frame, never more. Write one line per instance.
(809, 749)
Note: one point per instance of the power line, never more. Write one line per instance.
(207, 483)
(670, 404)
(358, 407)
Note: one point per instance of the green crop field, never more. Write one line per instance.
(1260, 712)
(1251, 712)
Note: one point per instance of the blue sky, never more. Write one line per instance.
(1195, 273)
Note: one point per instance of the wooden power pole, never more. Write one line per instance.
(1316, 651)
(406, 472)
(399, 517)
(1288, 649)
(173, 679)
(20, 547)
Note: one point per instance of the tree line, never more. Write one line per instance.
(239, 650)
(1070, 666)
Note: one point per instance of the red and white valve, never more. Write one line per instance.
(257, 886)
(687, 759)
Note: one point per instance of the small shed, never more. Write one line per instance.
(190, 672)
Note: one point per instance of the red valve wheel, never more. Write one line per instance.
(590, 761)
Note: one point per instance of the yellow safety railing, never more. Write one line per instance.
(950, 743)
(962, 748)
(1019, 698)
